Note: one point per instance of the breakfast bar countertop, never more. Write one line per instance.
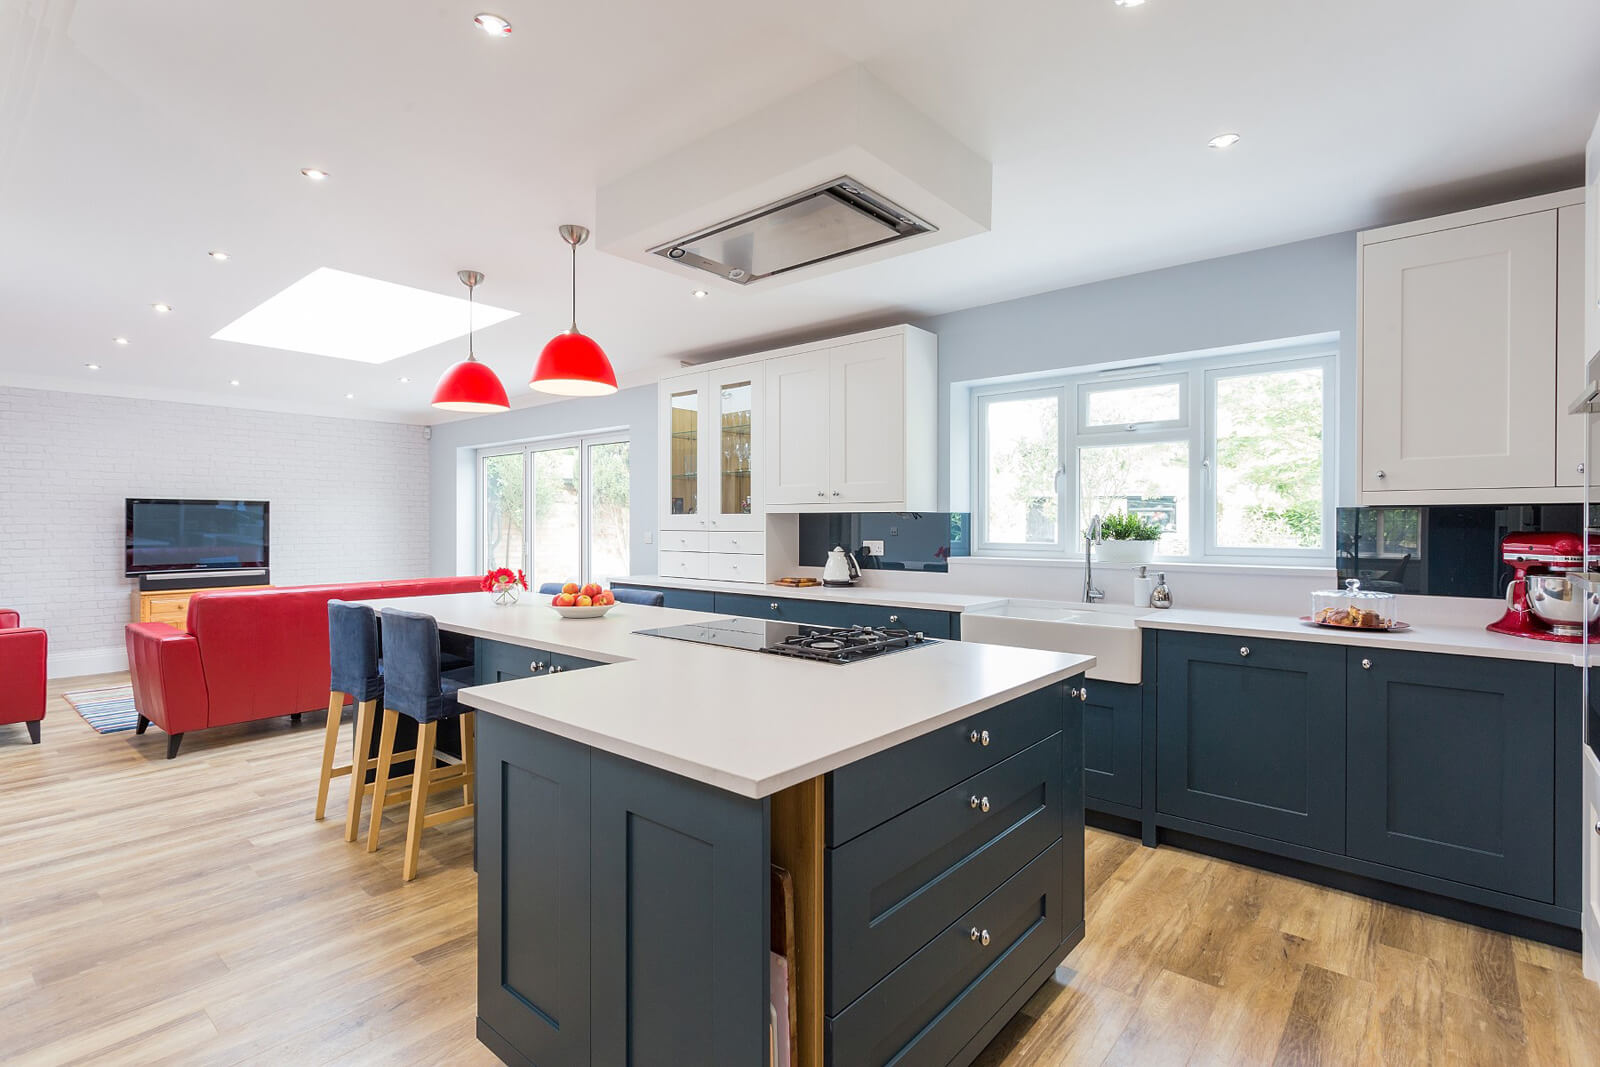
(746, 722)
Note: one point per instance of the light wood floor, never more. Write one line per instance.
(192, 912)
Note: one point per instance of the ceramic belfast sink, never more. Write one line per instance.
(1109, 632)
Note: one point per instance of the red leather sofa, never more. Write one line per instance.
(247, 654)
(22, 656)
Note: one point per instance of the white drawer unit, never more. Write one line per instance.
(685, 541)
(739, 543)
(684, 564)
(737, 567)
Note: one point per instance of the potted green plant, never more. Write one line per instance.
(1127, 538)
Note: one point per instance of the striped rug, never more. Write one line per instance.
(109, 711)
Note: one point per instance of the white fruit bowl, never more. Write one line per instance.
(590, 612)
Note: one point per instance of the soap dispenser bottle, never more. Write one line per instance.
(1143, 587)
(1162, 596)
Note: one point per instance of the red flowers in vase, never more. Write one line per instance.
(503, 582)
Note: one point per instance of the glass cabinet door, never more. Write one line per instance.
(683, 409)
(736, 402)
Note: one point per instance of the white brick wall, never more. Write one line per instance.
(349, 501)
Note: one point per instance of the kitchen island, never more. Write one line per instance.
(924, 805)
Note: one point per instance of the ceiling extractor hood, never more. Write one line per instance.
(840, 174)
(821, 223)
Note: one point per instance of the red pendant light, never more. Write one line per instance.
(470, 385)
(572, 364)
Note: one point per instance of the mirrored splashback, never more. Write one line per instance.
(912, 541)
(1436, 550)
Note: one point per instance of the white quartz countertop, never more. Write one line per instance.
(1465, 640)
(749, 723)
(855, 594)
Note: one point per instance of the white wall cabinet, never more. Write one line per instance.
(1571, 358)
(1464, 380)
(711, 425)
(854, 425)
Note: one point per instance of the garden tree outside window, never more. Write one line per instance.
(557, 510)
(1229, 458)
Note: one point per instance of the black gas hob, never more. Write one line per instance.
(825, 644)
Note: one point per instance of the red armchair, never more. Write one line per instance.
(247, 654)
(22, 660)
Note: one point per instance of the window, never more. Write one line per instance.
(1230, 458)
(557, 510)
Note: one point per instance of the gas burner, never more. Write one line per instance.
(845, 645)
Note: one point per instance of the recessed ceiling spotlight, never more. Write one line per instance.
(92, 366)
(1223, 140)
(162, 308)
(493, 25)
(405, 381)
(349, 396)
(1128, 3)
(699, 294)
(233, 381)
(119, 340)
(314, 174)
(219, 256)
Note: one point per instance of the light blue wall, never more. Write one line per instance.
(453, 467)
(1293, 290)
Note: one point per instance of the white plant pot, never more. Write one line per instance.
(1125, 551)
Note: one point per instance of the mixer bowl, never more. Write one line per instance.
(1562, 603)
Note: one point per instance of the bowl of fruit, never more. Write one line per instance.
(582, 601)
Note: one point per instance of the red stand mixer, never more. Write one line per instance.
(1541, 601)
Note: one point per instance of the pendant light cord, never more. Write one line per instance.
(470, 354)
(574, 287)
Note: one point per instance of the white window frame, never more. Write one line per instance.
(526, 449)
(1197, 380)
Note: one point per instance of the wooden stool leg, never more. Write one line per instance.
(358, 767)
(330, 745)
(468, 744)
(422, 770)
(380, 785)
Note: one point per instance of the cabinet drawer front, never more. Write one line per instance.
(778, 608)
(1452, 768)
(1250, 735)
(928, 1008)
(880, 787)
(935, 624)
(895, 887)
(733, 567)
(173, 616)
(497, 661)
(684, 564)
(685, 541)
(739, 543)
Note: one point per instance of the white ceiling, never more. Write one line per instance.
(136, 137)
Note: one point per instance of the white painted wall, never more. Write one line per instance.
(349, 501)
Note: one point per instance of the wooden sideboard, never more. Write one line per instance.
(170, 606)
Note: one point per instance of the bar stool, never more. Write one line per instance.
(414, 686)
(354, 671)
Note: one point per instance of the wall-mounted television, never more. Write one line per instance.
(195, 536)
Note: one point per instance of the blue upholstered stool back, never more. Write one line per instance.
(412, 683)
(648, 597)
(353, 651)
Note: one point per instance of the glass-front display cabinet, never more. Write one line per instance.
(711, 448)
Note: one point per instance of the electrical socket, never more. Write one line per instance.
(649, 537)
(872, 548)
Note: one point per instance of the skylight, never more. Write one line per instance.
(347, 316)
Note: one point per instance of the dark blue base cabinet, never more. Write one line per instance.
(944, 625)
(1438, 781)
(624, 912)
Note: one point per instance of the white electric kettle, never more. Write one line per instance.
(841, 568)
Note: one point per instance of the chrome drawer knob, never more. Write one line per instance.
(979, 737)
(1597, 827)
(978, 802)
(983, 937)
(1078, 694)
(774, 605)
(557, 669)
(974, 935)
(836, 492)
(1366, 664)
(1244, 650)
(536, 666)
(821, 493)
(1381, 474)
(894, 618)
